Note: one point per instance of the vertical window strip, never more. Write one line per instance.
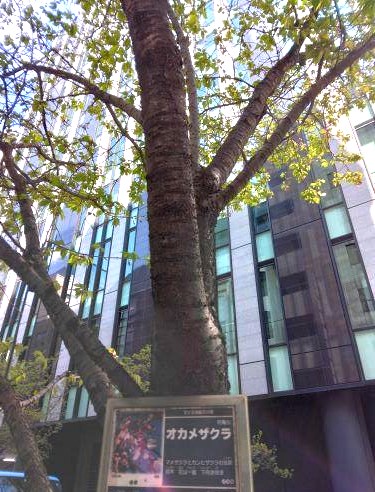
(225, 300)
(77, 398)
(125, 281)
(359, 299)
(269, 297)
(14, 312)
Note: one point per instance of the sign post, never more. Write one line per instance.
(185, 444)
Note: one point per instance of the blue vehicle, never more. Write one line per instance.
(15, 482)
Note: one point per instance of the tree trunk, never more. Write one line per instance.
(188, 352)
(27, 449)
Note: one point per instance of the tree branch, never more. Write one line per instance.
(28, 218)
(35, 398)
(219, 200)
(91, 88)
(230, 150)
(126, 133)
(183, 42)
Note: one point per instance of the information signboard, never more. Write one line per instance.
(193, 443)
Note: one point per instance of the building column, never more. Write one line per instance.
(350, 457)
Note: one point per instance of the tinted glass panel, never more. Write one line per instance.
(280, 369)
(366, 347)
(83, 403)
(366, 137)
(287, 244)
(125, 294)
(272, 306)
(293, 283)
(233, 374)
(325, 367)
(300, 326)
(281, 209)
(264, 246)
(337, 222)
(70, 402)
(222, 260)
(222, 232)
(261, 218)
(357, 294)
(226, 313)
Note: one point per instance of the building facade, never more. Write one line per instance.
(296, 287)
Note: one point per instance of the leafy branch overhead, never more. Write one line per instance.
(264, 69)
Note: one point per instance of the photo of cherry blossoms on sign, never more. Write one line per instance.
(137, 448)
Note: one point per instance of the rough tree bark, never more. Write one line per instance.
(185, 327)
(35, 472)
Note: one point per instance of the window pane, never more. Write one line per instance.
(86, 308)
(109, 230)
(128, 268)
(366, 348)
(357, 294)
(131, 241)
(125, 294)
(261, 218)
(222, 260)
(337, 222)
(98, 235)
(222, 232)
(83, 403)
(280, 369)
(98, 302)
(209, 13)
(70, 402)
(233, 374)
(264, 246)
(133, 217)
(360, 115)
(272, 304)
(366, 137)
(121, 332)
(332, 193)
(226, 314)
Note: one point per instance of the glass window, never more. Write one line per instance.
(366, 137)
(131, 241)
(222, 232)
(264, 246)
(332, 193)
(70, 402)
(261, 218)
(233, 374)
(121, 332)
(358, 296)
(86, 308)
(128, 268)
(98, 235)
(209, 13)
(109, 230)
(226, 313)
(360, 115)
(366, 347)
(98, 302)
(133, 217)
(337, 222)
(83, 403)
(272, 305)
(280, 369)
(125, 294)
(222, 260)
